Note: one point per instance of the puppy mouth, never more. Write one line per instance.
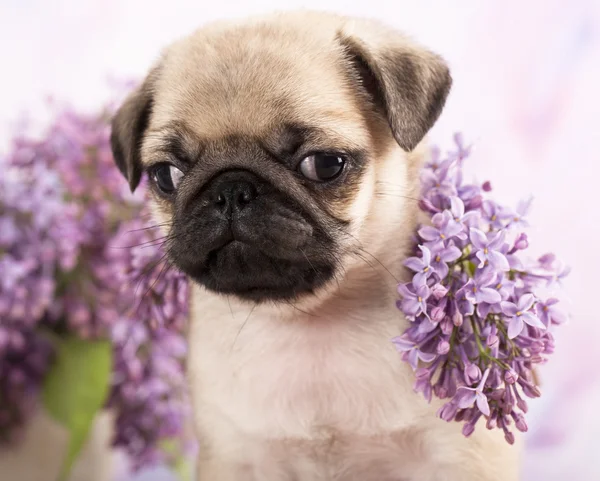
(241, 269)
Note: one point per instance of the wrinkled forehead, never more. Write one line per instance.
(251, 82)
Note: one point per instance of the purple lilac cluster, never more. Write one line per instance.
(148, 394)
(478, 325)
(76, 258)
(31, 204)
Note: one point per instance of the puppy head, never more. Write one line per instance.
(266, 143)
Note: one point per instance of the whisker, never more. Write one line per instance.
(310, 263)
(399, 196)
(148, 271)
(360, 247)
(230, 308)
(242, 327)
(336, 258)
(295, 307)
(155, 226)
(380, 263)
(152, 242)
(164, 241)
(363, 258)
(165, 268)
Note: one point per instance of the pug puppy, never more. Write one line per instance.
(283, 155)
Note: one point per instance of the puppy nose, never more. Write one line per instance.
(233, 196)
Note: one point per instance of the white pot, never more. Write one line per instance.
(40, 454)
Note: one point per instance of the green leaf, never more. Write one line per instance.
(76, 388)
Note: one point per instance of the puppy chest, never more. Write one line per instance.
(302, 384)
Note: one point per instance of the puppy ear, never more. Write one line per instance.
(407, 81)
(127, 130)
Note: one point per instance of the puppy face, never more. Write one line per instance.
(265, 142)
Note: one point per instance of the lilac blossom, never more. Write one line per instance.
(467, 396)
(476, 290)
(561, 272)
(439, 182)
(459, 216)
(412, 351)
(518, 218)
(441, 256)
(487, 249)
(521, 243)
(494, 214)
(444, 228)
(76, 259)
(519, 314)
(549, 313)
(414, 303)
(477, 325)
(421, 265)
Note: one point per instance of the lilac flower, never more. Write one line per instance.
(562, 271)
(474, 282)
(521, 243)
(517, 219)
(471, 197)
(477, 290)
(443, 229)
(457, 209)
(443, 347)
(505, 289)
(438, 312)
(520, 315)
(462, 150)
(504, 286)
(421, 265)
(466, 396)
(448, 411)
(547, 261)
(414, 303)
(438, 290)
(424, 386)
(464, 306)
(492, 340)
(435, 162)
(487, 249)
(439, 183)
(9, 232)
(412, 351)
(549, 313)
(472, 373)
(441, 257)
(63, 206)
(494, 214)
(14, 271)
(144, 398)
(469, 427)
(511, 376)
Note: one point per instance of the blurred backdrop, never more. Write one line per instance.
(526, 77)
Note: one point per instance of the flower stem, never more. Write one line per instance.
(482, 350)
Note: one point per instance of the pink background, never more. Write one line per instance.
(526, 91)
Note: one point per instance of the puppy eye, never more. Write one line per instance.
(167, 177)
(322, 167)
